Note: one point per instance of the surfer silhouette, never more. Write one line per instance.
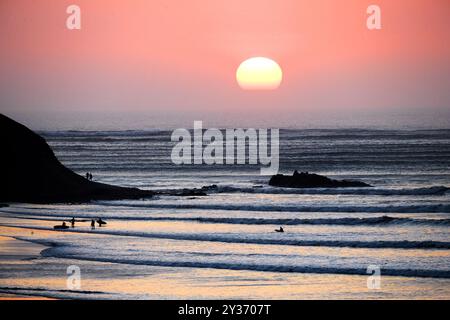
(100, 222)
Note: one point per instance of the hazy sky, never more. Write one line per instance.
(172, 57)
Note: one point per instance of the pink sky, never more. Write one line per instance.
(182, 55)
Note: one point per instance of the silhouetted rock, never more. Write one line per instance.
(30, 172)
(311, 180)
(185, 192)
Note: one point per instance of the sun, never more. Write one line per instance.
(259, 73)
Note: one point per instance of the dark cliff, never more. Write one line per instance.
(30, 172)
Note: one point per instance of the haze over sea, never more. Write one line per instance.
(223, 245)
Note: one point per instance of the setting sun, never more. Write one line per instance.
(259, 73)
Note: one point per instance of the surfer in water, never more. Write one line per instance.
(72, 222)
(92, 224)
(61, 227)
(279, 230)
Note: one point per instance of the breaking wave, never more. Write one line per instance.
(428, 208)
(403, 244)
(435, 190)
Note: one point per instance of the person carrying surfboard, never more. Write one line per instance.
(100, 222)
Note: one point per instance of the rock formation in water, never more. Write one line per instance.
(311, 180)
(30, 172)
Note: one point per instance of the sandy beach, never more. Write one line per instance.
(13, 251)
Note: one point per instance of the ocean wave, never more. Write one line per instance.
(384, 220)
(370, 221)
(423, 273)
(284, 268)
(435, 190)
(63, 250)
(105, 133)
(388, 244)
(426, 208)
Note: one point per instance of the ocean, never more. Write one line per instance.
(223, 245)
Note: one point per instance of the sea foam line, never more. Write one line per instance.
(404, 244)
(370, 221)
(432, 208)
(59, 252)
